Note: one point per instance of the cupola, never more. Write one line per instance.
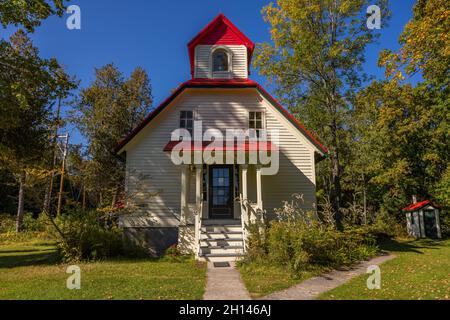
(220, 51)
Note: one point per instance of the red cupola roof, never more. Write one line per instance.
(220, 31)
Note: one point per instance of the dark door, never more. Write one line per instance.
(221, 201)
(430, 224)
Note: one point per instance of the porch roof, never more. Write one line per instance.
(226, 146)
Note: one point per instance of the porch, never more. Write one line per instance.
(215, 215)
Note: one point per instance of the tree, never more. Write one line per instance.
(29, 14)
(28, 85)
(405, 153)
(425, 45)
(425, 50)
(315, 64)
(105, 112)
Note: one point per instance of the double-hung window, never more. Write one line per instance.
(255, 123)
(187, 121)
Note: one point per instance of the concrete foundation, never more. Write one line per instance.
(153, 240)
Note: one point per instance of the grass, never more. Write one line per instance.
(420, 271)
(31, 271)
(262, 278)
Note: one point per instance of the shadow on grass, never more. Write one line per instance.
(46, 257)
(411, 246)
(26, 250)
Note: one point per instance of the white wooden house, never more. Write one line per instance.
(422, 219)
(205, 206)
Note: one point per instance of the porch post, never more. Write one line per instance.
(244, 212)
(258, 188)
(198, 186)
(244, 170)
(184, 193)
(198, 209)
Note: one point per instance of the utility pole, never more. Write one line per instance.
(63, 166)
(48, 192)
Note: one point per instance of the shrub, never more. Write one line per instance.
(174, 254)
(385, 227)
(34, 229)
(7, 223)
(299, 241)
(87, 235)
(444, 219)
(299, 245)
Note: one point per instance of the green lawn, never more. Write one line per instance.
(420, 271)
(31, 271)
(262, 279)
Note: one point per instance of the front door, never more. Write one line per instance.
(221, 200)
(430, 224)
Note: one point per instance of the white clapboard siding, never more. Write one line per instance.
(203, 63)
(156, 181)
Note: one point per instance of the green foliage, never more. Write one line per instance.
(174, 254)
(7, 223)
(104, 113)
(86, 236)
(442, 190)
(403, 131)
(425, 45)
(315, 64)
(444, 219)
(28, 13)
(29, 86)
(300, 245)
(37, 229)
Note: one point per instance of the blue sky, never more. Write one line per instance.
(154, 34)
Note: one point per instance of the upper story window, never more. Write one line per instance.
(221, 61)
(255, 123)
(187, 121)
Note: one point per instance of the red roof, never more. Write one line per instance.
(220, 31)
(205, 83)
(418, 205)
(246, 146)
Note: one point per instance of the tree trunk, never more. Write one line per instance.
(20, 206)
(336, 179)
(364, 198)
(114, 198)
(337, 191)
(100, 200)
(84, 198)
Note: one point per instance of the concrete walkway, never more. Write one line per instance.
(310, 289)
(224, 284)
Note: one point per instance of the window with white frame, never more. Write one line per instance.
(220, 61)
(187, 121)
(255, 123)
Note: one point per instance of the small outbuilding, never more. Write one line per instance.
(422, 220)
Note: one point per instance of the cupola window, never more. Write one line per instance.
(220, 61)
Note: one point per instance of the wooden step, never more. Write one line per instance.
(220, 257)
